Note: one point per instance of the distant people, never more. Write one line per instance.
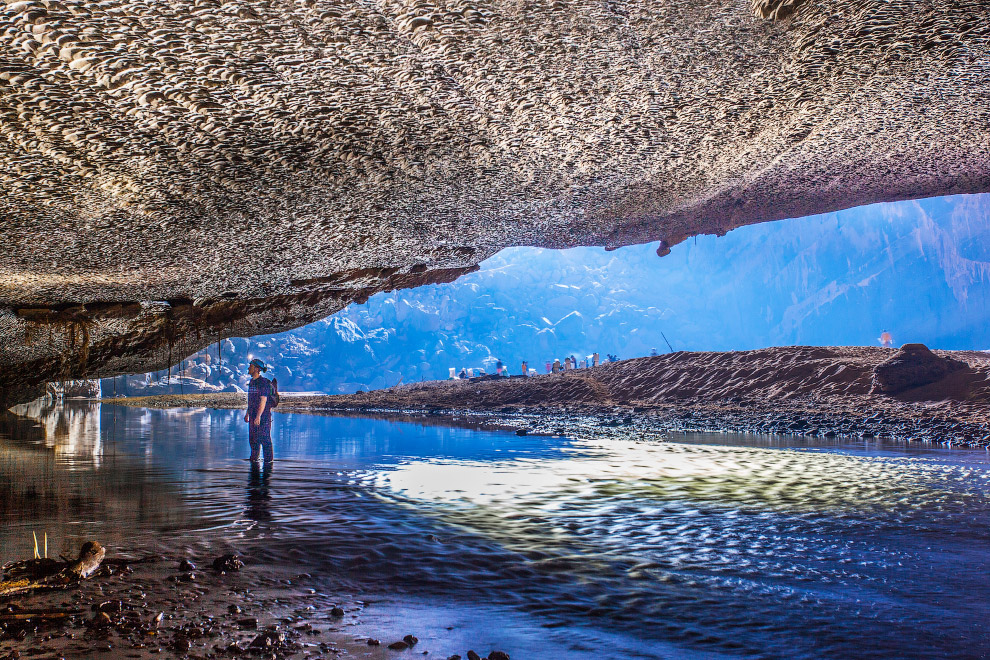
(584, 364)
(567, 364)
(463, 375)
(886, 340)
(453, 374)
(549, 367)
(653, 352)
(612, 358)
(498, 368)
(532, 373)
(525, 368)
(595, 359)
(556, 368)
(259, 412)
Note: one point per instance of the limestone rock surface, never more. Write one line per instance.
(176, 172)
(912, 366)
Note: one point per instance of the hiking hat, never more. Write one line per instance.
(258, 363)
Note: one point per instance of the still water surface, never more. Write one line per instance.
(706, 546)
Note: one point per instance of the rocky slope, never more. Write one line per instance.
(175, 172)
(811, 390)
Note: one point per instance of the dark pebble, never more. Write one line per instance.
(498, 655)
(270, 639)
(374, 642)
(234, 609)
(186, 566)
(248, 624)
(337, 612)
(398, 646)
(473, 656)
(109, 606)
(228, 564)
(454, 657)
(410, 640)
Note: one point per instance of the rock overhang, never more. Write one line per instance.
(177, 172)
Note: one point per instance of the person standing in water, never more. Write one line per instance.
(259, 411)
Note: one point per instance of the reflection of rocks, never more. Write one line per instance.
(71, 430)
(913, 366)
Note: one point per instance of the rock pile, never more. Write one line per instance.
(912, 366)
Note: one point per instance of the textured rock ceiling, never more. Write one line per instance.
(177, 170)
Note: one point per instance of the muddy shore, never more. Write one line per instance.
(815, 391)
(177, 607)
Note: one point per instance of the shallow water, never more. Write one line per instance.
(705, 546)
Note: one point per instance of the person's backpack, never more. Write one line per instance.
(274, 397)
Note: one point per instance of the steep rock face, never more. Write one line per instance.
(175, 172)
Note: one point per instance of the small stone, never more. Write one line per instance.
(473, 656)
(228, 564)
(398, 646)
(374, 642)
(234, 609)
(186, 566)
(248, 624)
(270, 639)
(101, 620)
(109, 606)
(410, 640)
(498, 655)
(181, 645)
(454, 657)
(337, 611)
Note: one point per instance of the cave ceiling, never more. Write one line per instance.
(176, 171)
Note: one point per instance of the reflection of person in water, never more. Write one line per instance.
(258, 497)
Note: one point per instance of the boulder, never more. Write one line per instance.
(912, 366)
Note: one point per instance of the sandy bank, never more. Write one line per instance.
(808, 390)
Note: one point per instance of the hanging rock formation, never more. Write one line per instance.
(174, 172)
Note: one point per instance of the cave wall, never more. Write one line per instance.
(174, 172)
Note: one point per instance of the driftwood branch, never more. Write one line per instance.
(49, 573)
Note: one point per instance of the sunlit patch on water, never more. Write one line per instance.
(708, 546)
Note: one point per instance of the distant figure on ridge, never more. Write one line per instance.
(886, 340)
(259, 411)
(525, 368)
(463, 373)
(595, 359)
(556, 368)
(653, 352)
(498, 368)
